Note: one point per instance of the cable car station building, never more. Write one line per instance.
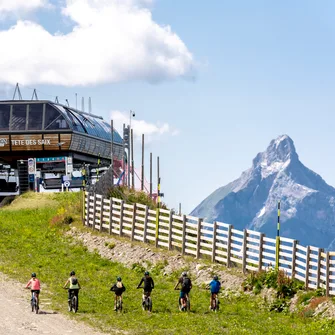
(44, 145)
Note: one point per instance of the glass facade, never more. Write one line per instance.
(35, 117)
(49, 116)
(54, 120)
(19, 117)
(4, 117)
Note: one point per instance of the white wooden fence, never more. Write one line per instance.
(217, 240)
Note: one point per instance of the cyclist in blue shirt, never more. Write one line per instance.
(215, 286)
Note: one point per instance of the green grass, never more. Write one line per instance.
(33, 239)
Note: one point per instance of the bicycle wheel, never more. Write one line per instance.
(36, 306)
(32, 304)
(188, 304)
(149, 304)
(74, 304)
(217, 304)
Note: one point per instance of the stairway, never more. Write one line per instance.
(22, 166)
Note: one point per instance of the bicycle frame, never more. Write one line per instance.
(34, 302)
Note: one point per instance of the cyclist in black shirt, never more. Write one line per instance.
(148, 285)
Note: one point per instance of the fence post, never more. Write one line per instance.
(110, 215)
(157, 227)
(121, 218)
(318, 270)
(260, 253)
(307, 266)
(145, 224)
(198, 237)
(94, 209)
(83, 199)
(183, 238)
(229, 233)
(214, 241)
(277, 251)
(101, 213)
(170, 230)
(327, 274)
(244, 251)
(88, 210)
(133, 223)
(294, 251)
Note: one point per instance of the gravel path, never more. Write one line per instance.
(17, 318)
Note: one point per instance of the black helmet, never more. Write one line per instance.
(72, 273)
(146, 273)
(215, 277)
(184, 274)
(33, 274)
(118, 278)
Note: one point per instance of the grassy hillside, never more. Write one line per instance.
(32, 239)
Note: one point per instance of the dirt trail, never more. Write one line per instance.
(17, 318)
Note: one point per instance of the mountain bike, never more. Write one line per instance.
(146, 301)
(73, 303)
(183, 308)
(34, 303)
(215, 302)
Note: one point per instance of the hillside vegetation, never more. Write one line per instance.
(32, 238)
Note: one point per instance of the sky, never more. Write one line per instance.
(211, 82)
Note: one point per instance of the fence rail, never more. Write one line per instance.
(218, 241)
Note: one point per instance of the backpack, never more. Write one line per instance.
(186, 285)
(74, 281)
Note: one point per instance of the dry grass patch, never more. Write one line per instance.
(32, 200)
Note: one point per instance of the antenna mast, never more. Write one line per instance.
(17, 89)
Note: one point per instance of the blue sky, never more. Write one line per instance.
(259, 69)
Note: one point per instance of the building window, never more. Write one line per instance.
(35, 117)
(19, 117)
(4, 117)
(54, 119)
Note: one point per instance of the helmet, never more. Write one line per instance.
(215, 277)
(118, 278)
(72, 273)
(184, 274)
(146, 273)
(33, 274)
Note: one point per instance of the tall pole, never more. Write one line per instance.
(278, 238)
(99, 161)
(150, 174)
(112, 152)
(128, 161)
(180, 208)
(132, 159)
(142, 172)
(158, 177)
(124, 156)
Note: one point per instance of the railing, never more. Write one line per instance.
(218, 241)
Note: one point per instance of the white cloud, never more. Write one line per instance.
(150, 130)
(112, 41)
(11, 6)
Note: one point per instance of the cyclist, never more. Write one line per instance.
(215, 286)
(35, 286)
(147, 287)
(118, 288)
(74, 287)
(186, 286)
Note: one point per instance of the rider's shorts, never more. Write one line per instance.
(182, 294)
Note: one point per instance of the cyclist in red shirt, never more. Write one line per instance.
(35, 286)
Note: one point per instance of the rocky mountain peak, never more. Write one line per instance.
(278, 155)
